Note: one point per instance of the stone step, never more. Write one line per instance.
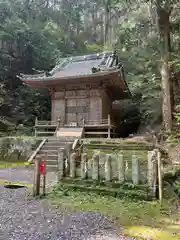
(49, 157)
(51, 162)
(56, 142)
(51, 151)
(52, 148)
(61, 139)
(52, 168)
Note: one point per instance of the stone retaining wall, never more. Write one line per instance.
(14, 149)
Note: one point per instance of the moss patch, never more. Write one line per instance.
(5, 182)
(106, 189)
(141, 219)
(11, 164)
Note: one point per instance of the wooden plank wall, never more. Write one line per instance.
(95, 102)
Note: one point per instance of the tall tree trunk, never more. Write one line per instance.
(102, 29)
(166, 94)
(106, 20)
(94, 19)
(163, 13)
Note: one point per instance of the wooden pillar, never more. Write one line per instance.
(44, 176)
(135, 169)
(108, 170)
(109, 126)
(121, 167)
(84, 165)
(95, 175)
(61, 155)
(36, 182)
(152, 172)
(73, 165)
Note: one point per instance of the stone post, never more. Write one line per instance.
(95, 174)
(68, 152)
(108, 170)
(121, 167)
(152, 172)
(159, 161)
(73, 165)
(84, 165)
(135, 169)
(61, 154)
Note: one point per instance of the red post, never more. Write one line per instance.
(42, 167)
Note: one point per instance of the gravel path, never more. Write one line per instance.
(24, 218)
(17, 174)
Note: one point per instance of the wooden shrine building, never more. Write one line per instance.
(82, 90)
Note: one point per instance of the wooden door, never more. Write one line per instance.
(58, 109)
(70, 111)
(95, 109)
(82, 110)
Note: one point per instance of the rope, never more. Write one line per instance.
(79, 147)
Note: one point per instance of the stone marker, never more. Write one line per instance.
(73, 165)
(120, 167)
(60, 173)
(84, 166)
(95, 172)
(135, 169)
(152, 171)
(108, 170)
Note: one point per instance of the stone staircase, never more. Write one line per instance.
(70, 131)
(50, 151)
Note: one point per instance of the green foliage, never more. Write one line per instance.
(176, 186)
(4, 149)
(172, 173)
(93, 48)
(123, 191)
(177, 114)
(172, 176)
(6, 126)
(34, 34)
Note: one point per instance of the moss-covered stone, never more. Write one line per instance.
(123, 191)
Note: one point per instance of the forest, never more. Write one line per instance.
(35, 34)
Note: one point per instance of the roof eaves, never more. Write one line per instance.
(50, 78)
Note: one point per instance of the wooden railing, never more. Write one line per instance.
(45, 123)
(107, 122)
(32, 157)
(53, 126)
(96, 122)
(57, 127)
(46, 128)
